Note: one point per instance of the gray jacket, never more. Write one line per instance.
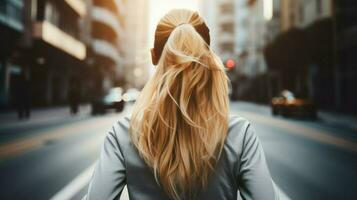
(241, 167)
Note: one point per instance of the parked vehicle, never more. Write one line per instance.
(131, 95)
(110, 100)
(287, 105)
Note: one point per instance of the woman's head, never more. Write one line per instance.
(179, 123)
(170, 22)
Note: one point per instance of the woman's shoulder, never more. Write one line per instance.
(123, 122)
(120, 132)
(239, 129)
(237, 126)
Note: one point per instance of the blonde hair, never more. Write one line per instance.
(180, 121)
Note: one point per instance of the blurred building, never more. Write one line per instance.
(273, 24)
(137, 52)
(237, 30)
(301, 13)
(116, 33)
(254, 63)
(323, 34)
(11, 29)
(345, 42)
(48, 53)
(309, 16)
(209, 12)
(58, 46)
(296, 46)
(52, 48)
(104, 33)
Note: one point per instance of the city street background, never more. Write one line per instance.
(70, 69)
(54, 157)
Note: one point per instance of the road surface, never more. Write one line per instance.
(53, 157)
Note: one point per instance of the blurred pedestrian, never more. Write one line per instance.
(23, 97)
(74, 95)
(180, 142)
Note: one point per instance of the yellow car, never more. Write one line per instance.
(287, 105)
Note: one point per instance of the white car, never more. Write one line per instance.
(112, 99)
(131, 95)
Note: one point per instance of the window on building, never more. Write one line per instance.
(40, 16)
(292, 19)
(301, 13)
(227, 47)
(3, 6)
(318, 6)
(110, 5)
(227, 27)
(15, 12)
(276, 9)
(11, 9)
(227, 8)
(52, 14)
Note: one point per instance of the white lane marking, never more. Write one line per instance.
(78, 183)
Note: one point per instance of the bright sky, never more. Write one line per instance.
(159, 8)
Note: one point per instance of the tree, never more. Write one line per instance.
(288, 52)
(320, 41)
(289, 55)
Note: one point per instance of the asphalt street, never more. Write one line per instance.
(53, 157)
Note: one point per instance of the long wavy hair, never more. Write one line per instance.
(180, 120)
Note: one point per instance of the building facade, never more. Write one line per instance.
(137, 51)
(105, 36)
(116, 33)
(47, 50)
(327, 29)
(52, 48)
(273, 24)
(301, 13)
(238, 29)
(345, 42)
(11, 29)
(56, 45)
(299, 22)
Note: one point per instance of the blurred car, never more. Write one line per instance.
(131, 95)
(287, 105)
(110, 100)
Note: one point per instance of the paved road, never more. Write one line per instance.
(54, 158)
(308, 160)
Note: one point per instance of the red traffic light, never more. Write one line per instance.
(230, 64)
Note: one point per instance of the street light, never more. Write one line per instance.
(268, 9)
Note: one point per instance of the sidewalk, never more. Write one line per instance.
(42, 116)
(325, 117)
